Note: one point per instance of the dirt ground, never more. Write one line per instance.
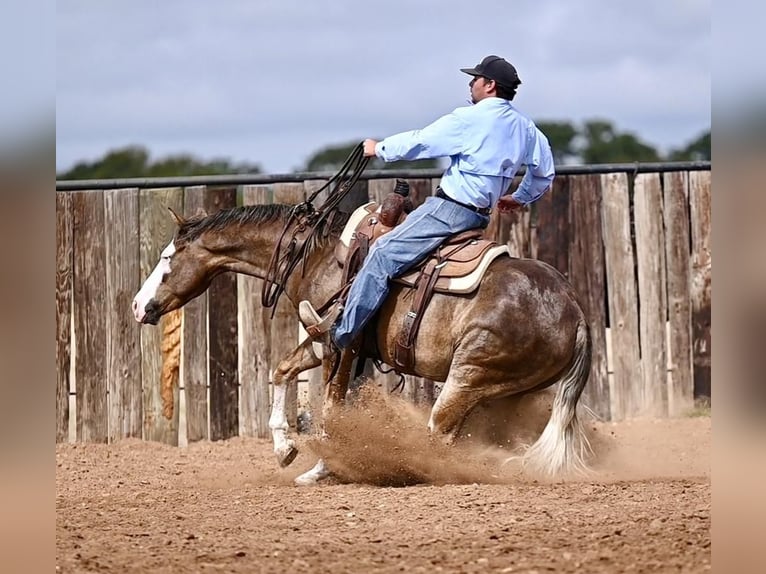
(399, 502)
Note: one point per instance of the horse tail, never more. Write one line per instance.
(563, 446)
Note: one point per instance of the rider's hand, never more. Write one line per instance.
(369, 148)
(507, 204)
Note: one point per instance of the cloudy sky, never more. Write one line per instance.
(273, 81)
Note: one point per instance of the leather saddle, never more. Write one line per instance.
(456, 266)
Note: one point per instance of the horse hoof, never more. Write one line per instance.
(314, 476)
(286, 455)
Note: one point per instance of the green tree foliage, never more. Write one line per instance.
(603, 144)
(134, 161)
(599, 141)
(698, 149)
(331, 158)
(563, 139)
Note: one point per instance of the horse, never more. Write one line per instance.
(520, 331)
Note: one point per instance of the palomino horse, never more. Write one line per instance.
(521, 330)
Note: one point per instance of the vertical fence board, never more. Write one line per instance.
(586, 262)
(195, 344)
(378, 189)
(89, 287)
(284, 326)
(652, 291)
(255, 341)
(420, 189)
(124, 337)
(63, 312)
(156, 231)
(621, 287)
(701, 292)
(553, 225)
(223, 365)
(676, 196)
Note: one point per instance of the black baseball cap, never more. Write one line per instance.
(495, 68)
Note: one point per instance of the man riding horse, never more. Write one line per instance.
(518, 329)
(486, 143)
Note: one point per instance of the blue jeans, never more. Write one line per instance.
(394, 254)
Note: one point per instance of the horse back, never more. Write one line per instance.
(520, 302)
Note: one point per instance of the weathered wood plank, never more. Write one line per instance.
(701, 289)
(284, 325)
(89, 288)
(64, 263)
(223, 345)
(420, 189)
(356, 196)
(123, 279)
(156, 231)
(622, 298)
(676, 199)
(255, 341)
(586, 272)
(652, 291)
(553, 229)
(195, 347)
(378, 189)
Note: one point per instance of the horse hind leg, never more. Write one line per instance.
(300, 359)
(456, 400)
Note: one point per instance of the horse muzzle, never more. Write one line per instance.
(151, 314)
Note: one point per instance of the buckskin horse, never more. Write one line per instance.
(520, 330)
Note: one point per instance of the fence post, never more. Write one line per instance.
(255, 341)
(701, 293)
(676, 191)
(223, 338)
(195, 347)
(64, 253)
(621, 289)
(89, 287)
(652, 292)
(156, 231)
(586, 272)
(124, 338)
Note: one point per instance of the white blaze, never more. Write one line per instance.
(149, 288)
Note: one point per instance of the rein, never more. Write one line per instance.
(304, 216)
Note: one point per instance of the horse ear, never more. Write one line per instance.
(200, 212)
(177, 218)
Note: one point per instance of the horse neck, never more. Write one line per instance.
(248, 249)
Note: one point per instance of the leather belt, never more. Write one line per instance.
(480, 210)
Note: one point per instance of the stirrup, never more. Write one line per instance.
(315, 325)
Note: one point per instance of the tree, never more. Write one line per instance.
(331, 158)
(134, 161)
(698, 149)
(602, 144)
(562, 137)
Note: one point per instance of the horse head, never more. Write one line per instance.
(184, 271)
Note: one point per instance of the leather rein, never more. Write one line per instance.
(288, 254)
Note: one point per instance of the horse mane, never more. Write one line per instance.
(192, 228)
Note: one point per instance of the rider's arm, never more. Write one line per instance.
(442, 138)
(540, 171)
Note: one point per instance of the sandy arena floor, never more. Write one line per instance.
(399, 504)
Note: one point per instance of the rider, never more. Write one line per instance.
(486, 143)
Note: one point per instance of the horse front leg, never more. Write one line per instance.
(334, 397)
(300, 359)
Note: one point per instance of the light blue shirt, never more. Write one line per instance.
(487, 143)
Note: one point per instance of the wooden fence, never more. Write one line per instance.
(636, 247)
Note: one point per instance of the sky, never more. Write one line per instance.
(271, 82)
